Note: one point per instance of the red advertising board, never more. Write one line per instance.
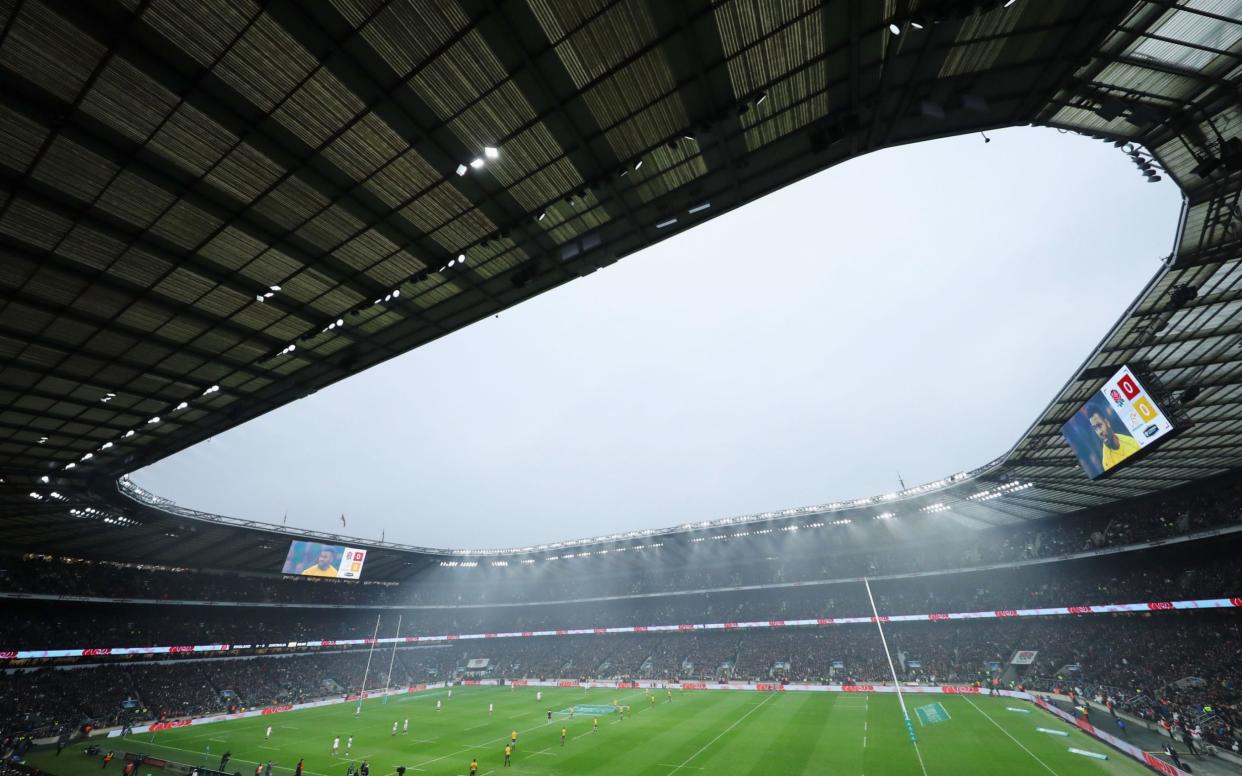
(177, 723)
(278, 709)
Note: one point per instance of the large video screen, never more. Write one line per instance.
(311, 559)
(1116, 422)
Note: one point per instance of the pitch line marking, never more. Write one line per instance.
(231, 759)
(721, 734)
(1006, 732)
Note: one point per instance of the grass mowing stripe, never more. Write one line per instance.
(814, 733)
(720, 735)
(1006, 732)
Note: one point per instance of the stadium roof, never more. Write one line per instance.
(210, 209)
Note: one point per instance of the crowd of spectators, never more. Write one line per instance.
(1153, 664)
(910, 545)
(1160, 574)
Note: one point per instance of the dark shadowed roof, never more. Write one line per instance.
(209, 209)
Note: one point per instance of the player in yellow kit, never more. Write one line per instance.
(513, 739)
(508, 753)
(563, 732)
(595, 725)
(323, 566)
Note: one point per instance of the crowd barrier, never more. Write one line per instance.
(1152, 606)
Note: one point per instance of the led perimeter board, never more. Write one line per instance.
(311, 559)
(1116, 423)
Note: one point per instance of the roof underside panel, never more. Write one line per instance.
(210, 208)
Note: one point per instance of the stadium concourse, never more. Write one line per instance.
(210, 209)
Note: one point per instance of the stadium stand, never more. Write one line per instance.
(1141, 660)
(197, 196)
(1214, 505)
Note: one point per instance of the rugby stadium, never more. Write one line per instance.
(211, 209)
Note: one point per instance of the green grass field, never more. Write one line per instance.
(697, 733)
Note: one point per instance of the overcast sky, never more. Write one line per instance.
(910, 311)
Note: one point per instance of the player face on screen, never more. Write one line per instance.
(1104, 431)
(325, 560)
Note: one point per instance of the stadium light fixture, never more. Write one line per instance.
(638, 165)
(396, 293)
(42, 440)
(181, 406)
(762, 96)
(154, 420)
(477, 163)
(543, 215)
(893, 28)
(273, 288)
(699, 208)
(491, 152)
(105, 446)
(70, 465)
(462, 169)
(44, 479)
(461, 258)
(87, 457)
(35, 496)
